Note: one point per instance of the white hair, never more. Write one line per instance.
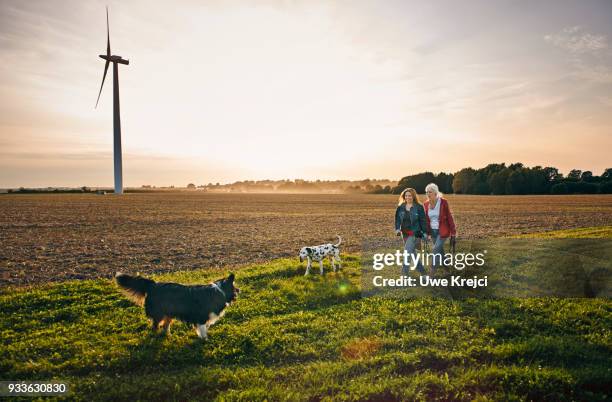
(433, 187)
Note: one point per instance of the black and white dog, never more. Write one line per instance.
(199, 305)
(318, 253)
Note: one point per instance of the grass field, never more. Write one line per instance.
(597, 232)
(310, 338)
(290, 337)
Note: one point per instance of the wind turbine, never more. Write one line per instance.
(116, 118)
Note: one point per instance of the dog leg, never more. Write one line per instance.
(213, 318)
(201, 330)
(166, 321)
(321, 265)
(332, 260)
(308, 267)
(155, 325)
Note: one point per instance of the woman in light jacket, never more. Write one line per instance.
(410, 223)
(440, 222)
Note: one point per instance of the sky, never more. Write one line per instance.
(226, 91)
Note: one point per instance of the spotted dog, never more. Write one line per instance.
(318, 253)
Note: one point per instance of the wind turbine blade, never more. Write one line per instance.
(108, 52)
(103, 77)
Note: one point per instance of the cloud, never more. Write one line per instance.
(599, 74)
(590, 57)
(577, 41)
(219, 83)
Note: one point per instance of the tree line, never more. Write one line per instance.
(502, 179)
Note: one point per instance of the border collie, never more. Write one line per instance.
(199, 305)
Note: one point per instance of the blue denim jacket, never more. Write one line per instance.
(418, 224)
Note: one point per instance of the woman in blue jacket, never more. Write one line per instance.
(410, 223)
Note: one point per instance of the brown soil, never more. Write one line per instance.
(59, 237)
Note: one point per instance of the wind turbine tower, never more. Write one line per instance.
(116, 115)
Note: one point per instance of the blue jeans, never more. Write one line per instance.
(410, 245)
(437, 248)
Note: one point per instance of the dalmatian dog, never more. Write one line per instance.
(319, 253)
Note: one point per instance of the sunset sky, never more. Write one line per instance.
(225, 91)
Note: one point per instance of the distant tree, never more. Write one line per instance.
(587, 175)
(552, 174)
(417, 181)
(581, 187)
(464, 180)
(191, 186)
(591, 188)
(605, 187)
(559, 188)
(492, 168)
(481, 183)
(444, 182)
(574, 174)
(353, 189)
(497, 181)
(516, 178)
(378, 189)
(536, 180)
(516, 183)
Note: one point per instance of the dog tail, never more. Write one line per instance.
(339, 241)
(135, 287)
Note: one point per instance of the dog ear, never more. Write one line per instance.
(308, 250)
(231, 277)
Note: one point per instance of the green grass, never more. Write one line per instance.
(290, 337)
(596, 232)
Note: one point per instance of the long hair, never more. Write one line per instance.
(415, 197)
(434, 187)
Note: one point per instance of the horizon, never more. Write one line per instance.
(206, 184)
(315, 90)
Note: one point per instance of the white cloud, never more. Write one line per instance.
(589, 54)
(577, 41)
(598, 74)
(248, 84)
